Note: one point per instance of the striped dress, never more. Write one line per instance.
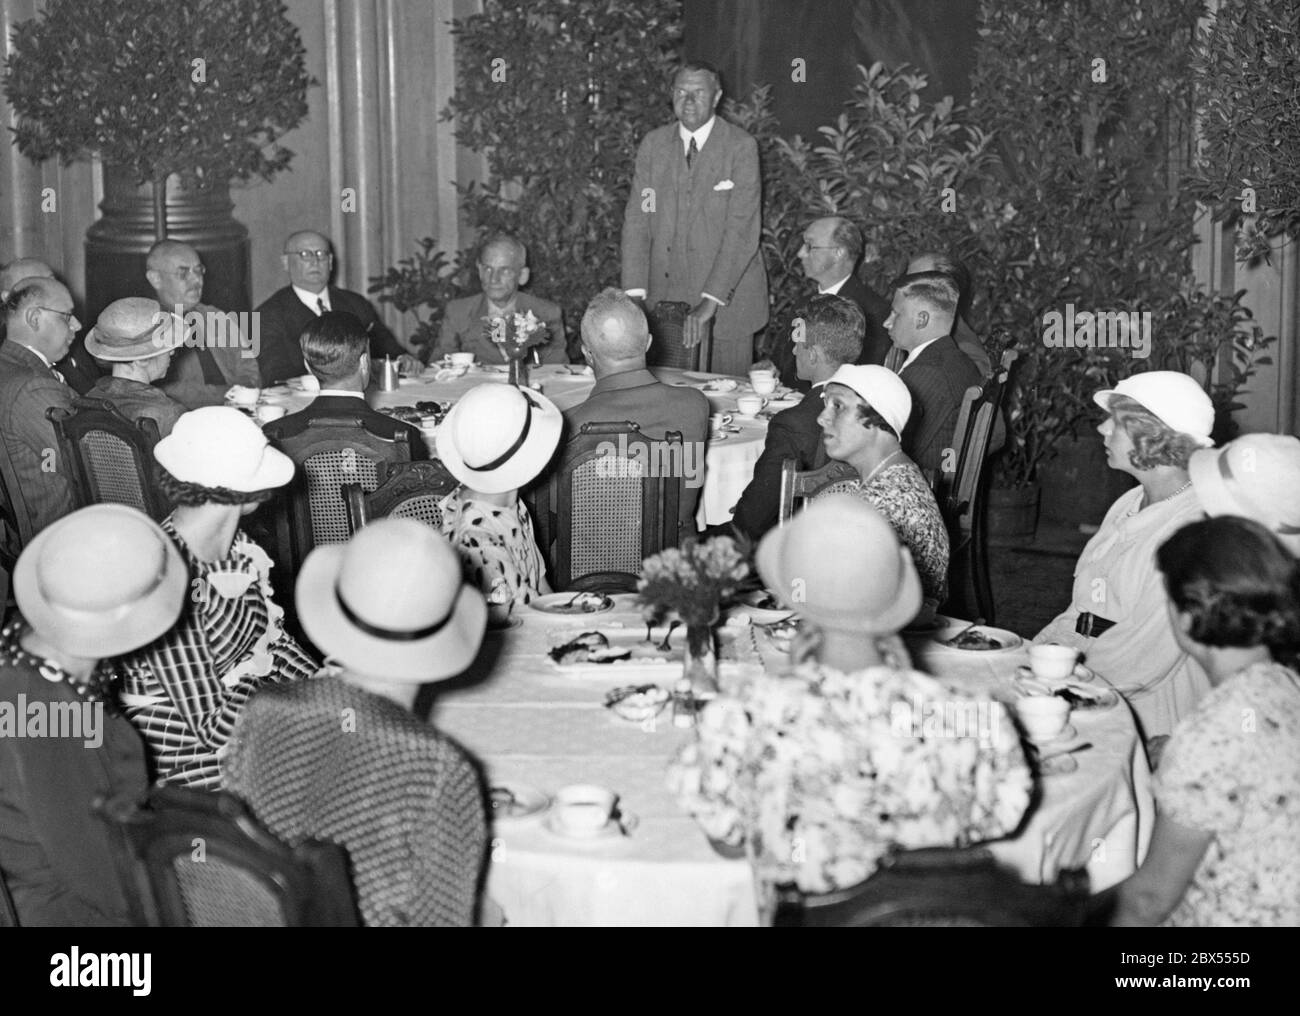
(185, 691)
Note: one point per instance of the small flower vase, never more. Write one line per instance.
(519, 367)
(700, 658)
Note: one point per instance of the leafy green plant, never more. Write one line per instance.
(1247, 71)
(202, 89)
(547, 91)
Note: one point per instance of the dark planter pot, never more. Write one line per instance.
(117, 243)
(1012, 512)
(1078, 486)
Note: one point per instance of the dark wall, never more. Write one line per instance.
(754, 41)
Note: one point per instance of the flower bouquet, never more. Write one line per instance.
(691, 583)
(514, 335)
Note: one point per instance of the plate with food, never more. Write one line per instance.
(575, 604)
(511, 801)
(720, 386)
(964, 637)
(637, 703)
(615, 647)
(761, 607)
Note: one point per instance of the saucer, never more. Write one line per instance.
(1069, 733)
(602, 834)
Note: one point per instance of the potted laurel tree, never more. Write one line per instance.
(690, 584)
(177, 98)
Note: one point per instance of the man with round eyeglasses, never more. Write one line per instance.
(309, 260)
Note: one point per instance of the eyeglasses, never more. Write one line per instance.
(499, 272)
(310, 255)
(185, 271)
(699, 94)
(67, 315)
(812, 246)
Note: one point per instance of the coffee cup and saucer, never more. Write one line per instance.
(585, 812)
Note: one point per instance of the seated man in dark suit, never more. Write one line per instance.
(336, 349)
(615, 337)
(309, 260)
(502, 269)
(962, 333)
(936, 372)
(831, 336)
(829, 256)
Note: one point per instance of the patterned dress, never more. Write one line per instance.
(1233, 768)
(185, 691)
(902, 496)
(497, 547)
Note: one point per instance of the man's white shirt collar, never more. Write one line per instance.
(44, 359)
(347, 393)
(917, 352)
(700, 136)
(835, 289)
(309, 299)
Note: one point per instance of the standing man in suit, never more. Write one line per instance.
(309, 260)
(336, 350)
(216, 354)
(936, 372)
(615, 337)
(692, 224)
(39, 326)
(831, 336)
(502, 269)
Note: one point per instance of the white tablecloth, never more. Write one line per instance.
(729, 463)
(530, 722)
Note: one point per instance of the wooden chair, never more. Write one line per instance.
(798, 486)
(16, 526)
(961, 490)
(111, 458)
(942, 887)
(612, 502)
(197, 859)
(329, 453)
(412, 491)
(667, 322)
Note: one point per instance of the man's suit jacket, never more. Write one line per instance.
(206, 367)
(792, 434)
(937, 380)
(686, 232)
(347, 407)
(876, 343)
(463, 329)
(639, 396)
(283, 318)
(27, 389)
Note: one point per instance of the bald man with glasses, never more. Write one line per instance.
(309, 260)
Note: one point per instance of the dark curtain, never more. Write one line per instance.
(755, 41)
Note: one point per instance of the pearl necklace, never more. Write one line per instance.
(1140, 506)
(881, 465)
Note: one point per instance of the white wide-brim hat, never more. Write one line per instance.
(391, 604)
(839, 564)
(134, 328)
(101, 582)
(1179, 402)
(218, 446)
(498, 437)
(883, 390)
(1257, 476)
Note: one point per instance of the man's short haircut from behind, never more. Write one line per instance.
(935, 290)
(332, 344)
(836, 326)
(627, 342)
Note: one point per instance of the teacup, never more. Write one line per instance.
(461, 359)
(265, 414)
(1043, 716)
(584, 808)
(719, 420)
(242, 396)
(750, 406)
(1052, 661)
(762, 381)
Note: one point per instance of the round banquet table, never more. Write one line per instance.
(729, 462)
(529, 721)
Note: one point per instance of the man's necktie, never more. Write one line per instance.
(55, 372)
(320, 305)
(691, 152)
(895, 359)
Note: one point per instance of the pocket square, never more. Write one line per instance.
(724, 185)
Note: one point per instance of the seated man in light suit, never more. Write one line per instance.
(502, 269)
(615, 337)
(336, 350)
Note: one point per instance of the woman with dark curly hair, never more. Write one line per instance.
(1228, 791)
(1117, 616)
(185, 691)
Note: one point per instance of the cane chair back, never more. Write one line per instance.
(412, 491)
(667, 325)
(801, 485)
(111, 458)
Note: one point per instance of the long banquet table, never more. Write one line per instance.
(531, 722)
(729, 463)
